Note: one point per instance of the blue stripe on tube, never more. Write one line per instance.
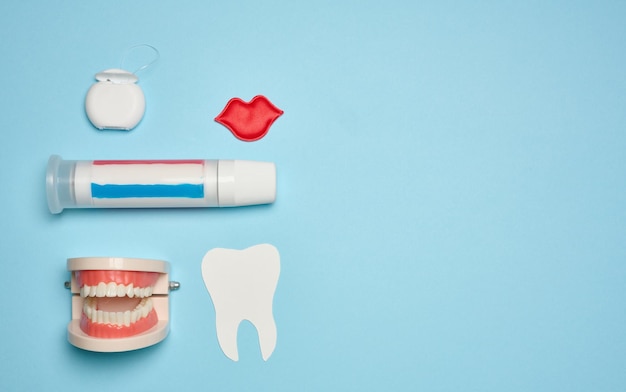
(116, 191)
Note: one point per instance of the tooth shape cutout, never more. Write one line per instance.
(241, 284)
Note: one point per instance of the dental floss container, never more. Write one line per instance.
(115, 101)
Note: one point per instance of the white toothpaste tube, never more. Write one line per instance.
(158, 183)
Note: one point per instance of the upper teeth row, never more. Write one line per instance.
(112, 289)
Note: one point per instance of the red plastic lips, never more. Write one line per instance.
(249, 121)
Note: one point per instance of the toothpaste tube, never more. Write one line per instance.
(158, 183)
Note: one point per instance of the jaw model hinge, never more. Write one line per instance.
(159, 299)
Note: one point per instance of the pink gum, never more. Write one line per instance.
(138, 279)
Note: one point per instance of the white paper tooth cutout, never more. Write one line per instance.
(241, 284)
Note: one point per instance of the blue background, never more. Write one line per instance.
(451, 195)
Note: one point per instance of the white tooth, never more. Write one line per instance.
(144, 311)
(82, 291)
(242, 285)
(101, 290)
(100, 316)
(87, 309)
(112, 317)
(129, 291)
(111, 289)
(92, 291)
(133, 316)
(106, 317)
(121, 290)
(127, 318)
(137, 292)
(143, 292)
(119, 318)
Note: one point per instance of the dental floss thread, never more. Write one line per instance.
(141, 68)
(115, 101)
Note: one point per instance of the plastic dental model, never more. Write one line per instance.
(249, 121)
(118, 304)
(241, 284)
(115, 101)
(158, 183)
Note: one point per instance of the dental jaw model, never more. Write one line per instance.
(241, 284)
(118, 304)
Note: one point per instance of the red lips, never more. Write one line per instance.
(249, 121)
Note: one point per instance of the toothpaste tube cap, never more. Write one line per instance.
(242, 183)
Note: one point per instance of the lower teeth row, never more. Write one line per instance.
(117, 318)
